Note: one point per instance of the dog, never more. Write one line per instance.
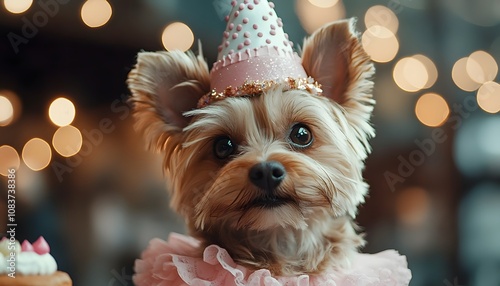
(274, 178)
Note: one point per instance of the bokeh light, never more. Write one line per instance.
(6, 111)
(8, 159)
(36, 154)
(17, 6)
(380, 44)
(379, 15)
(478, 221)
(488, 97)
(410, 74)
(475, 147)
(412, 206)
(62, 111)
(96, 13)
(67, 141)
(481, 67)
(177, 36)
(432, 110)
(489, 138)
(461, 77)
(324, 3)
(432, 72)
(10, 107)
(315, 14)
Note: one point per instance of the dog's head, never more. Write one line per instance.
(281, 159)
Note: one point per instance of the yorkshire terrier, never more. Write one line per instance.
(275, 179)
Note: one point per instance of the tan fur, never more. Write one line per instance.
(323, 183)
(345, 73)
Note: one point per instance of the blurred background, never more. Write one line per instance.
(85, 182)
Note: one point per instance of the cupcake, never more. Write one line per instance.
(29, 265)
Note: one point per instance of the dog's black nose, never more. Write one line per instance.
(267, 175)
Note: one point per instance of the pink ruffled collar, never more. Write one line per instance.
(174, 262)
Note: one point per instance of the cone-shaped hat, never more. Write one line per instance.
(254, 54)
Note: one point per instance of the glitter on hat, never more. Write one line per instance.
(254, 47)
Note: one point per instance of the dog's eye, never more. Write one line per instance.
(223, 147)
(300, 136)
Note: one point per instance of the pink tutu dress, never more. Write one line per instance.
(174, 263)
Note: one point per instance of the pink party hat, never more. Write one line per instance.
(255, 54)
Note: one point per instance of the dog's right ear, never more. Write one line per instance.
(164, 85)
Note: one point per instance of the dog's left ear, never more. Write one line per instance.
(334, 57)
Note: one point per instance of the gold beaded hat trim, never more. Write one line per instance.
(251, 88)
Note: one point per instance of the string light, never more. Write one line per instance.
(315, 13)
(62, 111)
(379, 15)
(8, 159)
(481, 67)
(177, 36)
(488, 97)
(17, 6)
(10, 107)
(67, 141)
(380, 43)
(6, 111)
(461, 78)
(410, 74)
(96, 13)
(36, 154)
(430, 67)
(432, 110)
